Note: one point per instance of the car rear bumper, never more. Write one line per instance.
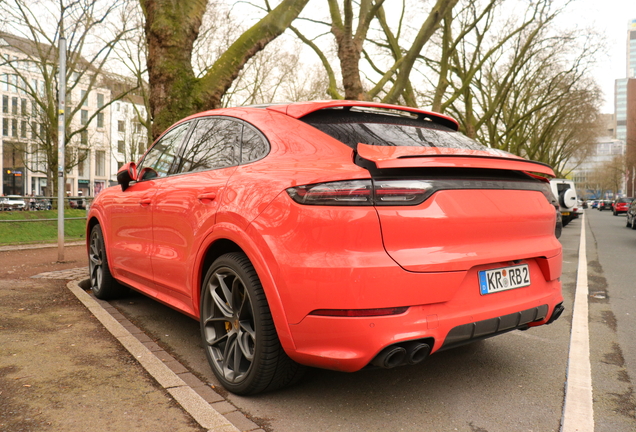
(334, 258)
(349, 344)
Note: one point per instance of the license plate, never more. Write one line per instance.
(502, 279)
(565, 214)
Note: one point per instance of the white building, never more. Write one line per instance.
(95, 150)
(129, 135)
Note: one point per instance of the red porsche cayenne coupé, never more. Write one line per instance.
(336, 234)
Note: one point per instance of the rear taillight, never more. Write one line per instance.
(362, 193)
(353, 192)
(401, 192)
(396, 192)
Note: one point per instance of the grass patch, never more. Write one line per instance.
(20, 232)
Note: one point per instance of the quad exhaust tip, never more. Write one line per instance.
(411, 353)
(556, 313)
(417, 352)
(390, 357)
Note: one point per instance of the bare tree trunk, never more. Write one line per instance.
(442, 83)
(441, 8)
(350, 43)
(349, 52)
(212, 87)
(171, 29)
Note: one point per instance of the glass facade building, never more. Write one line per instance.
(620, 108)
(631, 49)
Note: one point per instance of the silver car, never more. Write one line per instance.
(14, 202)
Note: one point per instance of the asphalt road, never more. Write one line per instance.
(611, 254)
(513, 382)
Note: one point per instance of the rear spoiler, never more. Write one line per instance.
(301, 109)
(427, 157)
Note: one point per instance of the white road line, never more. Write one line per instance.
(578, 411)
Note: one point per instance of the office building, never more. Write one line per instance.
(93, 152)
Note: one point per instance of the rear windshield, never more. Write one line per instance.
(625, 200)
(562, 187)
(351, 128)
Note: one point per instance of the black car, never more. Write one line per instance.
(605, 205)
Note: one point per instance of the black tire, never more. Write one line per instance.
(103, 284)
(615, 213)
(627, 223)
(633, 224)
(238, 333)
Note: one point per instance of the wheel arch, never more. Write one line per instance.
(92, 221)
(226, 239)
(215, 250)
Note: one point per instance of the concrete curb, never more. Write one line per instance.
(193, 403)
(38, 246)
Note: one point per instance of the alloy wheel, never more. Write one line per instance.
(96, 259)
(228, 325)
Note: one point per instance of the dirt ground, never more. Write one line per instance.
(21, 264)
(60, 370)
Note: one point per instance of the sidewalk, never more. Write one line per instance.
(61, 369)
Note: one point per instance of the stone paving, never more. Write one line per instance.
(69, 274)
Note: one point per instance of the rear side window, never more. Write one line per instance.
(351, 128)
(254, 145)
(215, 143)
(562, 187)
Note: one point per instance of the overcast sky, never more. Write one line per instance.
(610, 18)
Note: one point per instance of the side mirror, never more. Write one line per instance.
(126, 174)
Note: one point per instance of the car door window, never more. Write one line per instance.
(159, 161)
(254, 145)
(214, 143)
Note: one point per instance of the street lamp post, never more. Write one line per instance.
(61, 186)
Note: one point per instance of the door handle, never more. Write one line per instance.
(145, 201)
(207, 197)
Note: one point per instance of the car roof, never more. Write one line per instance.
(301, 109)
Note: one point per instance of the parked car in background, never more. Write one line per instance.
(77, 203)
(605, 205)
(631, 215)
(12, 202)
(43, 204)
(565, 192)
(621, 205)
(335, 234)
(595, 204)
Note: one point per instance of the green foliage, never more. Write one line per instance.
(20, 232)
